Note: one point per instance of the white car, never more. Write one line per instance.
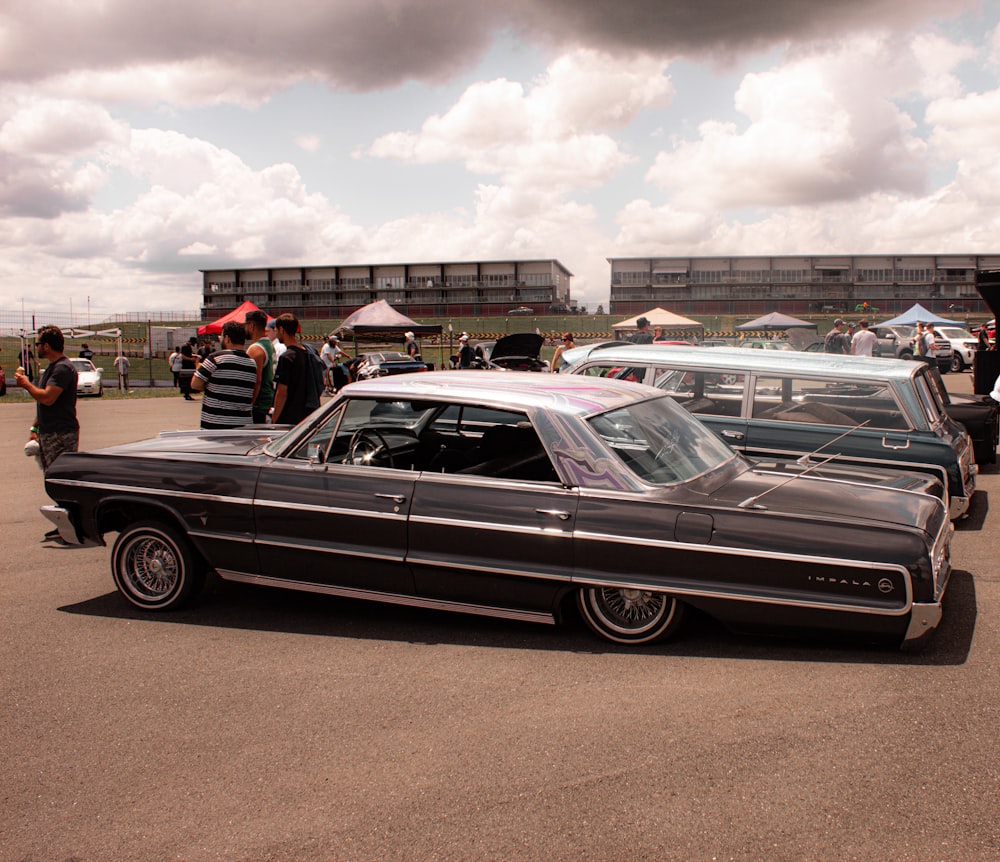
(964, 344)
(88, 378)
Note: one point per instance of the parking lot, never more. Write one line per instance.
(269, 725)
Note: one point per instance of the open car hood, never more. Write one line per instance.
(518, 344)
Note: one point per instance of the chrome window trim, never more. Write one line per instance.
(390, 598)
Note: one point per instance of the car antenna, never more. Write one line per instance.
(805, 459)
(751, 502)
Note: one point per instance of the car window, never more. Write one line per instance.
(465, 419)
(659, 442)
(703, 392)
(429, 436)
(930, 399)
(636, 373)
(825, 402)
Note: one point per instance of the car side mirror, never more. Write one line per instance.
(316, 454)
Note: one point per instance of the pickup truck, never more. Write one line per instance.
(896, 341)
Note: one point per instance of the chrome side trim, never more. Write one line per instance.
(493, 526)
(153, 492)
(690, 589)
(389, 598)
(325, 549)
(330, 510)
(493, 570)
(245, 538)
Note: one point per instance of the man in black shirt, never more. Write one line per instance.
(294, 398)
(56, 427)
(643, 335)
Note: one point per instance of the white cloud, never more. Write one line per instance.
(546, 135)
(821, 127)
(309, 143)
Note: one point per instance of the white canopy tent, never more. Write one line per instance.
(658, 317)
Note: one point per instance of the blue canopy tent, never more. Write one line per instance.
(919, 314)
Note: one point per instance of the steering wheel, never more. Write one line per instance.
(367, 446)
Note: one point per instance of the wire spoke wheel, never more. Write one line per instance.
(153, 567)
(627, 615)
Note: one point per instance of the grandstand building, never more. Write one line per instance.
(478, 288)
(834, 284)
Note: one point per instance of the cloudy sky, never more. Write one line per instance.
(141, 141)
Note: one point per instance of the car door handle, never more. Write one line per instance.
(733, 435)
(888, 444)
(396, 498)
(561, 514)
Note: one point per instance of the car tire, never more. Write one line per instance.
(154, 567)
(100, 390)
(907, 355)
(630, 616)
(957, 364)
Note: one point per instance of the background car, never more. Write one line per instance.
(791, 404)
(963, 344)
(894, 342)
(385, 363)
(520, 351)
(88, 378)
(765, 344)
(522, 309)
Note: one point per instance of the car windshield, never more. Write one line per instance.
(954, 333)
(82, 364)
(660, 442)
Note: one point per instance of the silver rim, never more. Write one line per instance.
(150, 568)
(630, 612)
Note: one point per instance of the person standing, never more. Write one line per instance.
(567, 343)
(918, 341)
(228, 378)
(293, 395)
(272, 333)
(261, 351)
(121, 366)
(56, 427)
(836, 340)
(642, 335)
(410, 346)
(189, 364)
(174, 361)
(333, 359)
(465, 353)
(864, 341)
(86, 352)
(930, 344)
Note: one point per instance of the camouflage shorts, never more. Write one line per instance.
(53, 445)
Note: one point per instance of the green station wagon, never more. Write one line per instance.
(787, 404)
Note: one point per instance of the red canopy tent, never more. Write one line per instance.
(238, 314)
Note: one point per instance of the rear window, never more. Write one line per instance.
(824, 402)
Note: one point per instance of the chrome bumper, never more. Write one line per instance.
(63, 523)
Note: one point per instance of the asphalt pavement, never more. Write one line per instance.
(265, 725)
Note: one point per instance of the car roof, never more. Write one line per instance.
(510, 390)
(766, 361)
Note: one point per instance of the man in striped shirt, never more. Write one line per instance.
(229, 380)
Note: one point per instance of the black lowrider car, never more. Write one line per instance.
(509, 494)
